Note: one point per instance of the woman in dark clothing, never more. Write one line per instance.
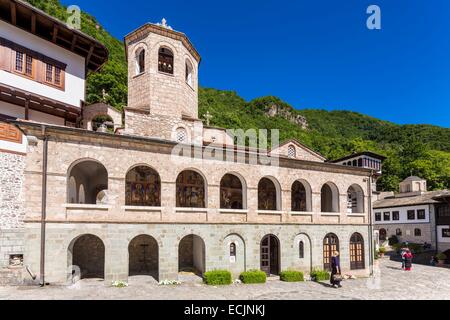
(335, 279)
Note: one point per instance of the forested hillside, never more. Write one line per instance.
(422, 150)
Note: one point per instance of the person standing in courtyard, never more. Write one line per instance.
(408, 260)
(336, 277)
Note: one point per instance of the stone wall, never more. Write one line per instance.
(408, 232)
(216, 238)
(12, 211)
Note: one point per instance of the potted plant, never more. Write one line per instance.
(381, 252)
(441, 258)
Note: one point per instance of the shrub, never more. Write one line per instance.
(382, 250)
(320, 275)
(291, 276)
(441, 256)
(253, 276)
(376, 254)
(217, 277)
(393, 240)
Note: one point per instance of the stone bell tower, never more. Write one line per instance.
(162, 82)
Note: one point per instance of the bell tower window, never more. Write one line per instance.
(188, 76)
(165, 61)
(140, 61)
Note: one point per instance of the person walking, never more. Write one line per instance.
(408, 260)
(402, 254)
(336, 277)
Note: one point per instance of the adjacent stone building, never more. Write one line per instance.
(162, 193)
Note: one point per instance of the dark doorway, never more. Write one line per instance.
(143, 256)
(382, 234)
(330, 245)
(88, 253)
(270, 255)
(191, 255)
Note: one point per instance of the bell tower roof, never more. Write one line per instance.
(164, 30)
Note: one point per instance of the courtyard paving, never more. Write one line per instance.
(423, 282)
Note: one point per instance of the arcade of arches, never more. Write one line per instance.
(87, 252)
(86, 179)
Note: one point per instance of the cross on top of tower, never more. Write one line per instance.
(207, 117)
(164, 24)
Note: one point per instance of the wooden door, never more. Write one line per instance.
(356, 252)
(265, 254)
(330, 244)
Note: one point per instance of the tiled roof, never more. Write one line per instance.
(425, 198)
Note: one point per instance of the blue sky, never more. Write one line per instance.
(312, 54)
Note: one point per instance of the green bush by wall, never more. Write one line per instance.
(217, 277)
(253, 276)
(291, 276)
(320, 275)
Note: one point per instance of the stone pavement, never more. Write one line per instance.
(423, 282)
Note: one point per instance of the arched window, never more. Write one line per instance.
(291, 151)
(355, 199)
(329, 198)
(301, 250)
(267, 195)
(233, 250)
(417, 232)
(356, 252)
(231, 193)
(165, 60)
(140, 61)
(300, 196)
(181, 135)
(188, 73)
(330, 245)
(90, 174)
(190, 190)
(142, 187)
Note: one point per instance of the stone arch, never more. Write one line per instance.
(192, 254)
(233, 192)
(189, 72)
(301, 196)
(355, 199)
(237, 264)
(329, 195)
(140, 60)
(305, 263)
(191, 189)
(166, 59)
(269, 194)
(90, 173)
(87, 252)
(143, 256)
(142, 186)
